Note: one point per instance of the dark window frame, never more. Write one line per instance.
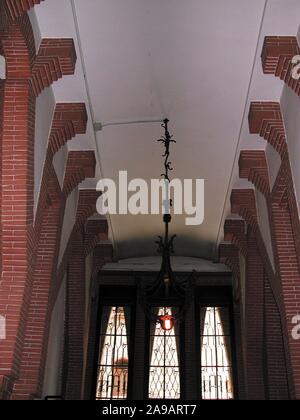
(220, 297)
(121, 296)
(181, 335)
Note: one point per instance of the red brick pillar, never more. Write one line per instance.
(79, 166)
(253, 166)
(27, 74)
(229, 255)
(29, 383)
(17, 151)
(243, 202)
(254, 320)
(76, 317)
(102, 254)
(84, 241)
(289, 274)
(276, 368)
(265, 119)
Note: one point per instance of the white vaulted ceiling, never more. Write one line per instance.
(196, 62)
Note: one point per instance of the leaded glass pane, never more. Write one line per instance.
(164, 375)
(216, 360)
(112, 383)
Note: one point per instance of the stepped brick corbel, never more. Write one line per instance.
(253, 166)
(16, 8)
(96, 231)
(277, 55)
(229, 255)
(86, 208)
(265, 119)
(80, 165)
(56, 58)
(103, 254)
(235, 233)
(243, 203)
(69, 119)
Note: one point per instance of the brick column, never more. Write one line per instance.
(276, 368)
(85, 240)
(290, 276)
(29, 385)
(102, 254)
(76, 315)
(265, 119)
(254, 320)
(17, 149)
(27, 74)
(230, 255)
(253, 166)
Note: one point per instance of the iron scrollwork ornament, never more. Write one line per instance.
(166, 288)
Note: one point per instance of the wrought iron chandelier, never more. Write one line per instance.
(166, 290)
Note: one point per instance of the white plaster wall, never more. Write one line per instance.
(274, 162)
(2, 68)
(52, 383)
(45, 106)
(35, 28)
(179, 264)
(290, 106)
(59, 163)
(69, 220)
(264, 224)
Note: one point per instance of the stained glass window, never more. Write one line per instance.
(112, 383)
(216, 360)
(164, 375)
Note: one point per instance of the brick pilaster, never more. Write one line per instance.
(102, 254)
(254, 320)
(84, 240)
(17, 151)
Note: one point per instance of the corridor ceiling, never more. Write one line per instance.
(196, 62)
